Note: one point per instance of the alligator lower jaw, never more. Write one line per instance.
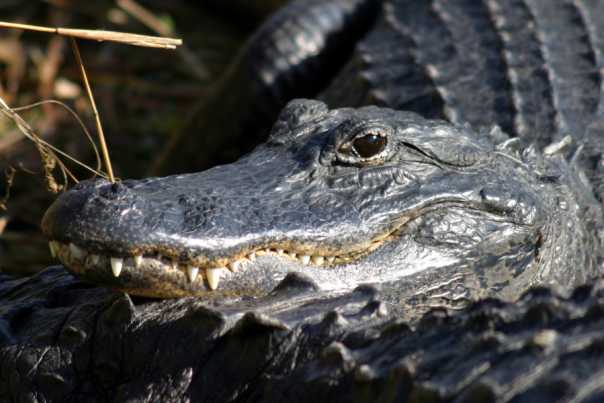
(206, 279)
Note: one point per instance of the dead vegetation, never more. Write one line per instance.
(142, 96)
(48, 153)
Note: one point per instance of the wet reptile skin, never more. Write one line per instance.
(440, 207)
(521, 215)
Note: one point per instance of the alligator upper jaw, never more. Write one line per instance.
(157, 275)
(129, 236)
(90, 227)
(253, 271)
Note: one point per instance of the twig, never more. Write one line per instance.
(28, 132)
(97, 118)
(47, 151)
(100, 35)
(77, 119)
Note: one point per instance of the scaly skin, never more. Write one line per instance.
(523, 215)
(434, 205)
(65, 341)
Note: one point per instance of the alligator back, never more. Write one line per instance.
(533, 67)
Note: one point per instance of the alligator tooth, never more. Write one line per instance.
(318, 260)
(174, 265)
(213, 276)
(116, 266)
(251, 256)
(192, 273)
(280, 251)
(94, 260)
(77, 252)
(138, 260)
(331, 259)
(53, 249)
(292, 255)
(305, 259)
(234, 266)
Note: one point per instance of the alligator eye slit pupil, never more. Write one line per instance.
(369, 145)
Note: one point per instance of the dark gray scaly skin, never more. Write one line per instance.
(439, 207)
(62, 340)
(443, 215)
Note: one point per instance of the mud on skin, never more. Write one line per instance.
(346, 197)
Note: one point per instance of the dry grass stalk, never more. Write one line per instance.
(49, 153)
(101, 35)
(95, 112)
(45, 154)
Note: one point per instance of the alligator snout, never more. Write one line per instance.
(93, 212)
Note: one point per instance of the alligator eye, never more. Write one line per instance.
(369, 145)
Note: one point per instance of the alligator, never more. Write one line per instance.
(327, 262)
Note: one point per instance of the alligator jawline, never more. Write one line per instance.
(207, 275)
(80, 260)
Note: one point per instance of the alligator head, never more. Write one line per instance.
(345, 197)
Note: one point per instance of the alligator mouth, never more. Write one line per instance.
(164, 273)
(165, 276)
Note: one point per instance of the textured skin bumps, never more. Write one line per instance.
(487, 62)
(62, 340)
(533, 67)
(440, 206)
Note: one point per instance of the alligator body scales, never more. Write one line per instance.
(342, 259)
(63, 340)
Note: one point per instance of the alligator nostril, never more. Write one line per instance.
(113, 191)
